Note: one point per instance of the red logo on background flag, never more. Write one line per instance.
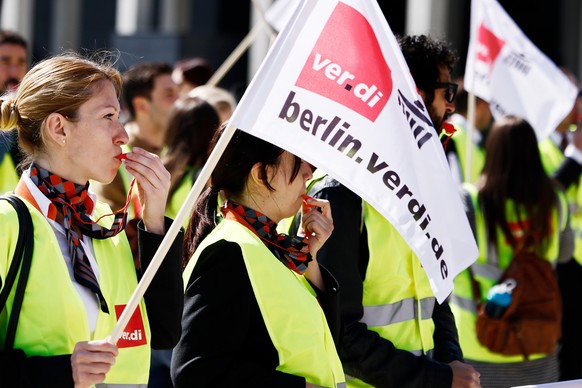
(347, 64)
(488, 45)
(134, 333)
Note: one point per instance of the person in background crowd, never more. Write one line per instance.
(514, 200)
(221, 99)
(395, 333)
(13, 67)
(557, 150)
(193, 122)
(241, 272)
(66, 111)
(483, 122)
(190, 73)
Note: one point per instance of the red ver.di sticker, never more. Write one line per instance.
(134, 333)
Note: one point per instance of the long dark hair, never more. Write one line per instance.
(191, 126)
(230, 176)
(513, 171)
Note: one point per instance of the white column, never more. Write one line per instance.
(175, 16)
(133, 16)
(18, 16)
(427, 17)
(65, 25)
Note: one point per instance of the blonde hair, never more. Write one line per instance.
(59, 84)
(222, 100)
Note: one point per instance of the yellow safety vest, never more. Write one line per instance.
(53, 316)
(552, 158)
(302, 338)
(179, 197)
(478, 156)
(8, 176)
(486, 273)
(398, 301)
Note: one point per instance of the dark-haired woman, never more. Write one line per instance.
(191, 126)
(517, 207)
(256, 301)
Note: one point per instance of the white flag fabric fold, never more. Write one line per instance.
(507, 70)
(335, 90)
(280, 12)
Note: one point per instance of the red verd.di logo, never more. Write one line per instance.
(488, 45)
(134, 333)
(347, 64)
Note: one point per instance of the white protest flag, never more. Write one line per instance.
(505, 69)
(335, 90)
(280, 12)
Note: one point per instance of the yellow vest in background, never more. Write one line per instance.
(8, 175)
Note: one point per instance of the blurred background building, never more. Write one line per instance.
(168, 30)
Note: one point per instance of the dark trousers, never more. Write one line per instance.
(570, 354)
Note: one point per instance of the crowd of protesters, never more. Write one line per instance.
(103, 161)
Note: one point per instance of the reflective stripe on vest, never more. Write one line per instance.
(486, 271)
(462, 302)
(394, 283)
(67, 321)
(404, 310)
(468, 304)
(302, 339)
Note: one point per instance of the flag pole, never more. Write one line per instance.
(261, 12)
(471, 103)
(172, 232)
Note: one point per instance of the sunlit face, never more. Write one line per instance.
(440, 108)
(13, 65)
(286, 199)
(163, 96)
(95, 139)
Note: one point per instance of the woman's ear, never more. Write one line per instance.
(256, 174)
(55, 127)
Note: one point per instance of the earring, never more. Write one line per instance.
(64, 141)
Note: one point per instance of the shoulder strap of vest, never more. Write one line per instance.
(22, 260)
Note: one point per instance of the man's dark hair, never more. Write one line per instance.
(11, 37)
(424, 55)
(197, 71)
(138, 81)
